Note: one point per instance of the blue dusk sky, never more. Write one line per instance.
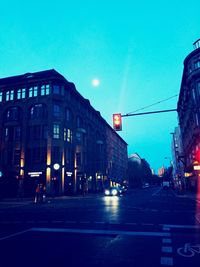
(135, 48)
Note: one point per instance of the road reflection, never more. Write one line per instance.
(112, 207)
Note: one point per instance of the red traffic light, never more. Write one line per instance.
(117, 122)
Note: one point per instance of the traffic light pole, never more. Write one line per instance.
(146, 113)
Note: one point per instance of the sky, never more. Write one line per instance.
(135, 48)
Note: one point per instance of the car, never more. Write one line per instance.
(166, 184)
(146, 185)
(112, 191)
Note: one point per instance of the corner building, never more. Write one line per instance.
(50, 134)
(189, 115)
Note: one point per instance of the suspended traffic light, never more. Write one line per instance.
(117, 122)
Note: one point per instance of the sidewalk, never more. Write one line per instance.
(48, 198)
(188, 194)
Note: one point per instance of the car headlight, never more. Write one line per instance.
(107, 192)
(114, 192)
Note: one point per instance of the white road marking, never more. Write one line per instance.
(100, 232)
(167, 249)
(15, 234)
(155, 193)
(166, 261)
(181, 226)
(167, 241)
(166, 228)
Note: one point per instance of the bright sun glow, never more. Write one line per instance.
(95, 82)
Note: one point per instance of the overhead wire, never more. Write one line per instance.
(152, 104)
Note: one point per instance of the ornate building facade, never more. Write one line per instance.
(189, 114)
(52, 135)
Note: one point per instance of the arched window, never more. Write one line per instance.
(13, 114)
(38, 111)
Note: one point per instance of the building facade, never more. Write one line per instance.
(189, 115)
(178, 160)
(50, 134)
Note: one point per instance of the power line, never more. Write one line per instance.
(127, 114)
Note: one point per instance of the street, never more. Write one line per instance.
(145, 227)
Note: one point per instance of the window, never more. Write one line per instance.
(56, 89)
(12, 114)
(78, 159)
(32, 92)
(21, 93)
(56, 131)
(69, 136)
(67, 114)
(65, 134)
(78, 136)
(17, 155)
(197, 64)
(56, 110)
(44, 132)
(17, 133)
(45, 89)
(37, 111)
(6, 133)
(36, 131)
(1, 96)
(56, 153)
(10, 95)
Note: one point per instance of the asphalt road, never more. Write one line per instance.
(146, 227)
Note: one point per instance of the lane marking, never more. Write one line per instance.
(15, 234)
(100, 232)
(166, 261)
(154, 194)
(166, 228)
(167, 249)
(166, 241)
(181, 226)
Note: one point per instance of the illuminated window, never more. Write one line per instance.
(45, 89)
(56, 131)
(1, 96)
(33, 91)
(65, 134)
(21, 93)
(10, 95)
(69, 136)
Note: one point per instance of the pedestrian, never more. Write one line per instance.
(37, 194)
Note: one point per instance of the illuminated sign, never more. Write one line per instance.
(34, 174)
(69, 173)
(196, 167)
